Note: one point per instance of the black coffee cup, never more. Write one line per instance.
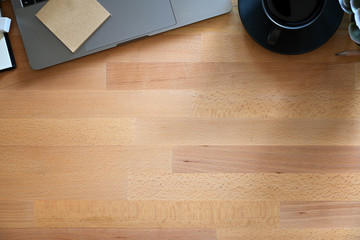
(291, 15)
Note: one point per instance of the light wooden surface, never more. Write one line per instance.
(197, 133)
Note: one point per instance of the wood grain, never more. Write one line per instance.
(15, 214)
(107, 234)
(227, 186)
(46, 159)
(154, 214)
(80, 184)
(95, 104)
(266, 159)
(234, 75)
(285, 234)
(320, 214)
(277, 104)
(247, 131)
(66, 132)
(177, 103)
(196, 133)
(75, 172)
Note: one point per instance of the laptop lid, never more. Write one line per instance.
(130, 20)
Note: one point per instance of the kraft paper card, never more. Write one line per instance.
(73, 21)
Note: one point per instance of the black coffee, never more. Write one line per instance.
(293, 12)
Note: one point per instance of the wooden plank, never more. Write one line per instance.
(107, 234)
(233, 75)
(73, 159)
(247, 131)
(152, 214)
(16, 214)
(81, 104)
(77, 185)
(181, 103)
(75, 172)
(66, 132)
(266, 159)
(269, 103)
(320, 214)
(247, 186)
(298, 234)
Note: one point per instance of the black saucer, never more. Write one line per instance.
(297, 41)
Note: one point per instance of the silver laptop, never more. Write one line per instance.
(130, 20)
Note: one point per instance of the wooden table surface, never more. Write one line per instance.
(197, 133)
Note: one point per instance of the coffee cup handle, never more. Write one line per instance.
(273, 36)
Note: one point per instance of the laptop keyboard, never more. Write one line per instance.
(26, 3)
